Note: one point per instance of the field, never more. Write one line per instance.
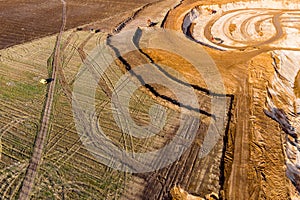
(228, 128)
(22, 21)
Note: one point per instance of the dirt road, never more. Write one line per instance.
(23, 21)
(243, 34)
(42, 134)
(238, 181)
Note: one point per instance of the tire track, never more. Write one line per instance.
(238, 181)
(42, 134)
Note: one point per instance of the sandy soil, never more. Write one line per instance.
(231, 63)
(256, 157)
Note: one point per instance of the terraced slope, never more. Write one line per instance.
(252, 28)
(255, 155)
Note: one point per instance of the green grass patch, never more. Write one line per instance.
(11, 90)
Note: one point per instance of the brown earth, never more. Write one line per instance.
(23, 21)
(253, 162)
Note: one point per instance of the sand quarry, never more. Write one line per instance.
(254, 152)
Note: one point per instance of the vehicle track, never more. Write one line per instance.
(275, 15)
(238, 180)
(43, 132)
(155, 188)
(233, 57)
(245, 38)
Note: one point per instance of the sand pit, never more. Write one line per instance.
(268, 25)
(256, 154)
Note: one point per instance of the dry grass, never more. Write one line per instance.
(68, 170)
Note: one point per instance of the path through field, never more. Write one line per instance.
(255, 46)
(42, 134)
